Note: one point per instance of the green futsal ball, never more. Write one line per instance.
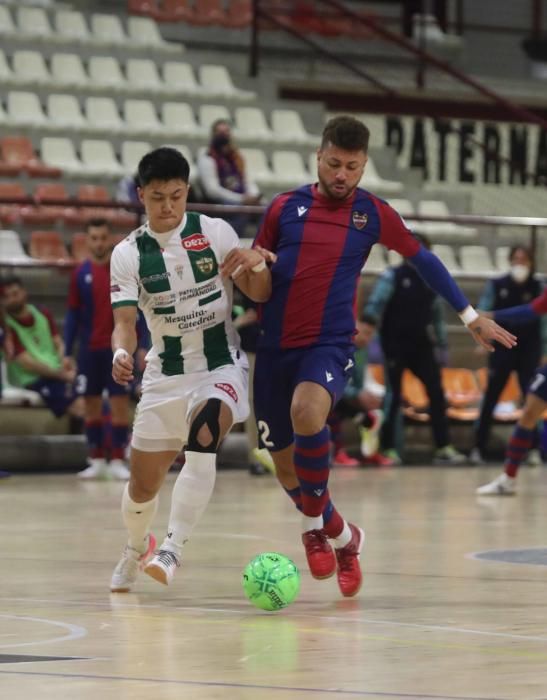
(271, 581)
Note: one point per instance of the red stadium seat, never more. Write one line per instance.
(48, 246)
(18, 151)
(116, 216)
(43, 212)
(414, 394)
(175, 11)
(460, 387)
(10, 211)
(239, 14)
(146, 8)
(207, 12)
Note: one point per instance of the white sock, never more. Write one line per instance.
(344, 537)
(138, 519)
(310, 523)
(191, 494)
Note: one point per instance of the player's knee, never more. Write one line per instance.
(306, 418)
(142, 492)
(205, 429)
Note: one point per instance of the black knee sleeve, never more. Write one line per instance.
(209, 416)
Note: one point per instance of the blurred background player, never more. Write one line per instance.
(360, 405)
(223, 176)
(524, 434)
(246, 323)
(37, 361)
(517, 287)
(89, 319)
(413, 335)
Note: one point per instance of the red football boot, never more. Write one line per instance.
(342, 459)
(319, 553)
(349, 570)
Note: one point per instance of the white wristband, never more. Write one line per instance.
(259, 266)
(468, 315)
(118, 353)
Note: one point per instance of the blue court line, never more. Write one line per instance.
(251, 686)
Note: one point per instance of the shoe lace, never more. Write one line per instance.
(345, 559)
(167, 558)
(316, 541)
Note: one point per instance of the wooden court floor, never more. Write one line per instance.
(432, 621)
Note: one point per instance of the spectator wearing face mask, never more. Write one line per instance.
(517, 287)
(223, 175)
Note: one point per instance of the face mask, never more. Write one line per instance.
(220, 141)
(520, 273)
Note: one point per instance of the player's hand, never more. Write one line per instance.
(68, 363)
(67, 374)
(240, 260)
(268, 256)
(485, 331)
(122, 368)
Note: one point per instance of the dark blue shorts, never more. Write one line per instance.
(57, 395)
(277, 374)
(95, 374)
(538, 385)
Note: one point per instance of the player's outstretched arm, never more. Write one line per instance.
(249, 271)
(124, 343)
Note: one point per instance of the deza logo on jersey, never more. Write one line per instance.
(196, 241)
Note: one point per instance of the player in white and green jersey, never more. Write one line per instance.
(179, 269)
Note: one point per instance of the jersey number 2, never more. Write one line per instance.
(264, 432)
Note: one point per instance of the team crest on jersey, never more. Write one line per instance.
(179, 269)
(359, 219)
(205, 265)
(197, 242)
(228, 388)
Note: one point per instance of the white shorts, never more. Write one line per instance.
(162, 415)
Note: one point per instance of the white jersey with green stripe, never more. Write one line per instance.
(174, 279)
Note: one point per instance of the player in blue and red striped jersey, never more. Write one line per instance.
(318, 238)
(522, 439)
(89, 318)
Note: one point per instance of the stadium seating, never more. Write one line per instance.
(64, 112)
(11, 248)
(179, 120)
(30, 68)
(105, 73)
(180, 77)
(44, 212)
(19, 152)
(131, 153)
(67, 70)
(60, 153)
(71, 25)
(99, 158)
(141, 118)
(376, 261)
(439, 208)
(257, 166)
(143, 33)
(288, 169)
(216, 82)
(103, 113)
(33, 22)
(210, 113)
(287, 126)
(447, 255)
(476, 259)
(78, 247)
(251, 125)
(48, 246)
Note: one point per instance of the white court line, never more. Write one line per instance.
(476, 556)
(74, 631)
(250, 613)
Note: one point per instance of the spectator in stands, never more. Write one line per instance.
(38, 361)
(406, 310)
(6, 350)
(361, 405)
(222, 174)
(246, 322)
(517, 287)
(89, 318)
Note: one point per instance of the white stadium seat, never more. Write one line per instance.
(216, 81)
(289, 169)
(180, 77)
(11, 248)
(447, 255)
(179, 119)
(102, 114)
(7, 26)
(257, 166)
(288, 128)
(439, 208)
(108, 29)
(210, 113)
(65, 111)
(376, 261)
(6, 74)
(67, 70)
(140, 117)
(502, 258)
(142, 74)
(60, 153)
(99, 158)
(394, 258)
(71, 25)
(25, 109)
(105, 72)
(372, 180)
(189, 157)
(30, 68)
(143, 31)
(476, 259)
(131, 153)
(251, 125)
(34, 22)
